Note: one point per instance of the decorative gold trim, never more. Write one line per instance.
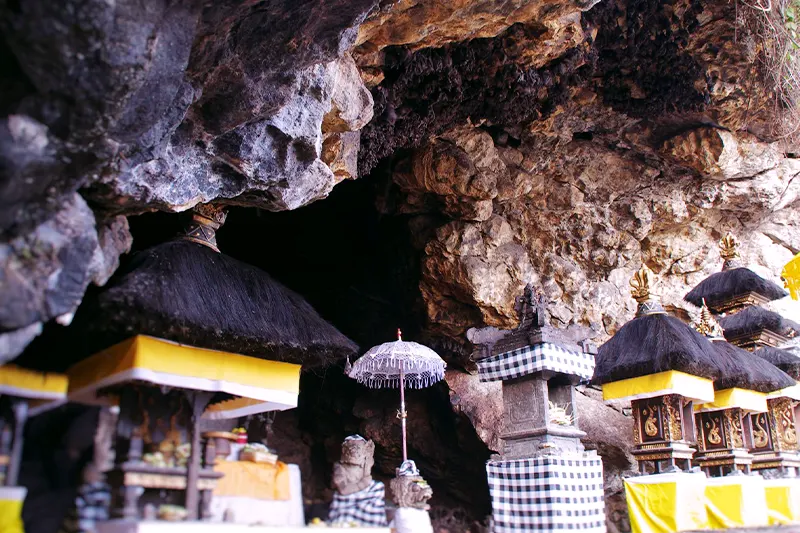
(642, 289)
(713, 431)
(650, 425)
(673, 417)
(737, 434)
(760, 437)
(206, 220)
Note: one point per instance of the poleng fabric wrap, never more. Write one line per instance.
(530, 359)
(547, 493)
(366, 507)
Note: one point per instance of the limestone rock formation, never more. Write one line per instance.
(45, 273)
(516, 141)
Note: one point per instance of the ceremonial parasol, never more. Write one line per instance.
(399, 363)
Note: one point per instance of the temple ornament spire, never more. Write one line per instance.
(206, 220)
(729, 252)
(642, 289)
(707, 324)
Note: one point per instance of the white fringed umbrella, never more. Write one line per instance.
(398, 364)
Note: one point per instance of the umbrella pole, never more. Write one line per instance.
(403, 410)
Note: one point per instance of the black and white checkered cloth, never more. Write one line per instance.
(547, 494)
(530, 359)
(91, 506)
(367, 507)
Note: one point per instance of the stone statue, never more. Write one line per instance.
(359, 499)
(411, 494)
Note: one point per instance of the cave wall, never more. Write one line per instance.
(500, 142)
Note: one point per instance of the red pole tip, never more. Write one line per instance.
(399, 334)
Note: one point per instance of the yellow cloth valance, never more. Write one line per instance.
(258, 385)
(748, 400)
(788, 392)
(24, 383)
(791, 276)
(669, 382)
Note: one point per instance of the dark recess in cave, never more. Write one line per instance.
(358, 268)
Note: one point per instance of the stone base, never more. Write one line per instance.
(732, 458)
(548, 493)
(673, 452)
(787, 463)
(545, 441)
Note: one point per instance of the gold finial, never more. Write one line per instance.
(206, 220)
(707, 325)
(729, 251)
(640, 284)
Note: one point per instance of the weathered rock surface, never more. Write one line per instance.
(559, 143)
(580, 216)
(44, 274)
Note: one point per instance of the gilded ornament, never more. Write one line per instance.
(640, 284)
(760, 437)
(650, 426)
(736, 429)
(713, 431)
(673, 419)
(729, 247)
(788, 433)
(707, 325)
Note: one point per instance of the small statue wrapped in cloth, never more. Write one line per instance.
(359, 499)
(411, 494)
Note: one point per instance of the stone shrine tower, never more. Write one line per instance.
(543, 480)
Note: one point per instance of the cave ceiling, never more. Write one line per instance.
(502, 142)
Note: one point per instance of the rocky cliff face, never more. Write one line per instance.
(556, 142)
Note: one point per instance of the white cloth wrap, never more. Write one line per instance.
(410, 520)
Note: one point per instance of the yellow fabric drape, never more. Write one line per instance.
(791, 276)
(659, 384)
(666, 503)
(783, 500)
(11, 499)
(748, 400)
(253, 480)
(736, 502)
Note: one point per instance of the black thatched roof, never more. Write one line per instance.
(188, 293)
(755, 318)
(783, 359)
(655, 343)
(745, 370)
(722, 286)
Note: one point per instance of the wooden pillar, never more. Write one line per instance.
(20, 408)
(198, 401)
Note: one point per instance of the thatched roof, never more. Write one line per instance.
(188, 293)
(655, 343)
(755, 318)
(745, 370)
(722, 286)
(783, 359)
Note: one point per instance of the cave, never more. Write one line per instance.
(357, 265)
(400, 165)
